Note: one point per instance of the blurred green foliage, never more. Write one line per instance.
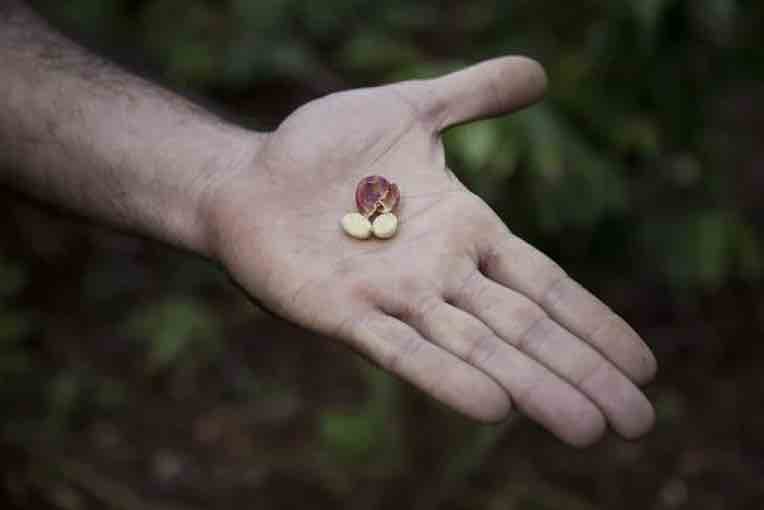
(14, 324)
(369, 435)
(179, 331)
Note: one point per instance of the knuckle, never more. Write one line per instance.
(418, 310)
(469, 290)
(406, 348)
(535, 331)
(552, 291)
(429, 105)
(590, 372)
(490, 260)
(362, 291)
(410, 285)
(481, 349)
(528, 313)
(347, 327)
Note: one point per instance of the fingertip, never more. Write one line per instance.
(536, 77)
(497, 414)
(650, 370)
(490, 404)
(642, 426)
(635, 358)
(570, 416)
(586, 432)
(636, 417)
(642, 368)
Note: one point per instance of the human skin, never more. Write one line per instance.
(455, 303)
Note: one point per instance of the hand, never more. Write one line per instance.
(455, 303)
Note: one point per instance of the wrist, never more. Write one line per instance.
(232, 156)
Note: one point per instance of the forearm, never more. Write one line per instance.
(79, 132)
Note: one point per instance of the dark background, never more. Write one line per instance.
(136, 377)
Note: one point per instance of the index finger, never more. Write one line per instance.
(516, 264)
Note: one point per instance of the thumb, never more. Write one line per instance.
(488, 89)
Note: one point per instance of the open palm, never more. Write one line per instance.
(455, 303)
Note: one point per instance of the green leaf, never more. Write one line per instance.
(369, 436)
(476, 144)
(177, 329)
(63, 392)
(749, 253)
(13, 327)
(648, 14)
(573, 183)
(12, 279)
(469, 456)
(378, 52)
(712, 247)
